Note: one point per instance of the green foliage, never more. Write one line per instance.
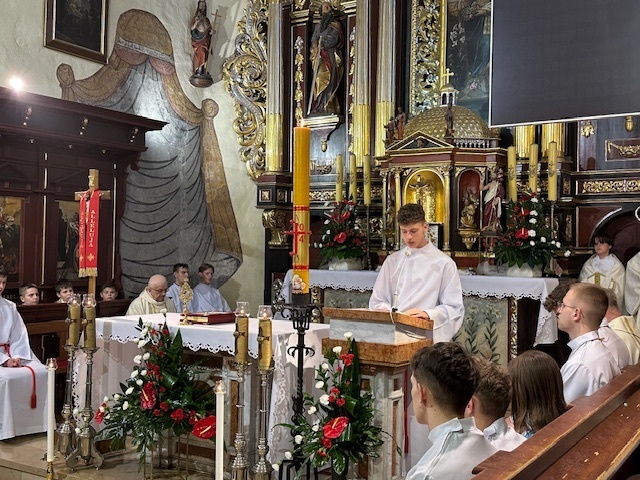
(341, 236)
(160, 394)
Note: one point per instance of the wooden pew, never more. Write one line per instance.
(597, 437)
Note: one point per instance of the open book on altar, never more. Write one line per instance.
(377, 326)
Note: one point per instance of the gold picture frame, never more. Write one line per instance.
(77, 27)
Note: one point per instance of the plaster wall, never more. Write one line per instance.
(23, 55)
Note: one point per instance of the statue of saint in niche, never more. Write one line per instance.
(201, 33)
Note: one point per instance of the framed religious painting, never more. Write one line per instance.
(11, 213)
(67, 245)
(466, 51)
(78, 27)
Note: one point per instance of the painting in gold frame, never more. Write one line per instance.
(10, 236)
(78, 27)
(67, 251)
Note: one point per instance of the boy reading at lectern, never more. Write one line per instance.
(419, 279)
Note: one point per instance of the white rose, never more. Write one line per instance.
(315, 244)
(337, 349)
(532, 243)
(533, 213)
(163, 311)
(139, 382)
(532, 233)
(129, 391)
(315, 428)
(288, 455)
(312, 410)
(105, 399)
(558, 244)
(567, 253)
(275, 466)
(543, 239)
(146, 356)
(116, 397)
(298, 439)
(326, 222)
(102, 409)
(142, 342)
(348, 335)
(319, 384)
(134, 374)
(137, 359)
(125, 405)
(143, 373)
(533, 221)
(319, 245)
(534, 199)
(324, 399)
(325, 366)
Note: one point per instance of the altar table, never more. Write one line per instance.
(352, 288)
(118, 336)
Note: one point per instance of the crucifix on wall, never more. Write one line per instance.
(89, 215)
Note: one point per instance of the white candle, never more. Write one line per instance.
(52, 365)
(219, 430)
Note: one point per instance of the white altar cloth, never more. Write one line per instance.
(118, 336)
(478, 285)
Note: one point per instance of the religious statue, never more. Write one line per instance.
(201, 33)
(493, 201)
(401, 119)
(390, 128)
(448, 117)
(326, 42)
(468, 213)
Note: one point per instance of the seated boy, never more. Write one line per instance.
(64, 290)
(443, 381)
(108, 292)
(489, 404)
(29, 294)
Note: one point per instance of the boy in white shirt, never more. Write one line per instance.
(443, 381)
(489, 403)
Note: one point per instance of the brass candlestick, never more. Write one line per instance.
(240, 465)
(66, 431)
(262, 469)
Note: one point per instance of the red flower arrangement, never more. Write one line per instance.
(160, 394)
(341, 236)
(339, 425)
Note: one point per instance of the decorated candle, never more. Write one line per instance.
(552, 192)
(366, 173)
(339, 178)
(242, 332)
(301, 220)
(220, 421)
(74, 313)
(512, 174)
(89, 307)
(353, 178)
(264, 337)
(533, 168)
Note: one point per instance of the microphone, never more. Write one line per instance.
(394, 307)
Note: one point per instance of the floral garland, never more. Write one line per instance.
(160, 394)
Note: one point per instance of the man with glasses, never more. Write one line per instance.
(153, 298)
(590, 365)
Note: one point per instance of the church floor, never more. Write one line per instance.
(22, 459)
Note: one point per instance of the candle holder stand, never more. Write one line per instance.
(368, 249)
(66, 432)
(86, 444)
(50, 472)
(301, 317)
(262, 469)
(240, 465)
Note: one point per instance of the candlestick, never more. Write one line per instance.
(52, 365)
(353, 178)
(533, 168)
(220, 421)
(366, 173)
(512, 174)
(89, 307)
(74, 314)
(242, 332)
(552, 162)
(264, 337)
(339, 178)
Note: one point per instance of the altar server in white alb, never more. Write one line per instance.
(23, 379)
(207, 298)
(603, 267)
(419, 279)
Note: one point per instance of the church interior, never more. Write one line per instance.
(230, 133)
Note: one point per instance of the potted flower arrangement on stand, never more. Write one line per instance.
(526, 245)
(160, 395)
(338, 428)
(343, 244)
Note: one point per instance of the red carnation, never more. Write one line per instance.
(99, 417)
(340, 237)
(205, 428)
(325, 442)
(177, 415)
(164, 406)
(335, 427)
(340, 402)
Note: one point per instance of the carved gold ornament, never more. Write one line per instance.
(625, 185)
(587, 129)
(425, 57)
(627, 151)
(245, 76)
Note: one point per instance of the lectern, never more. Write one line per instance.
(386, 343)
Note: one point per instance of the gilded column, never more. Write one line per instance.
(552, 132)
(399, 192)
(525, 135)
(275, 86)
(385, 75)
(361, 105)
